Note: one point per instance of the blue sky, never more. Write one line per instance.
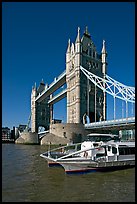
(34, 42)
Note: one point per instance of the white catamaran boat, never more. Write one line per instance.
(99, 152)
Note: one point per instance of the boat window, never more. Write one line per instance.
(116, 138)
(109, 148)
(114, 150)
(99, 138)
(95, 144)
(100, 155)
(126, 150)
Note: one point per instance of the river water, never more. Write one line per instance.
(27, 178)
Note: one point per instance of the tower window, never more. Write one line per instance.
(64, 134)
(94, 54)
(90, 52)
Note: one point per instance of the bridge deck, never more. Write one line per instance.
(124, 123)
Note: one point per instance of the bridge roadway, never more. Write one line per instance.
(118, 124)
(7, 140)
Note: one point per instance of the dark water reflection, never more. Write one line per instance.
(26, 177)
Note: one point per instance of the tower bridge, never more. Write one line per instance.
(87, 86)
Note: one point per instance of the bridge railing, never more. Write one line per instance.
(43, 132)
(111, 122)
(56, 79)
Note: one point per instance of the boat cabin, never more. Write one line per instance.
(116, 151)
(95, 140)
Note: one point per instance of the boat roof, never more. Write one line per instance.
(121, 143)
(102, 134)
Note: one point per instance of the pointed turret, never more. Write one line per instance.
(35, 86)
(78, 36)
(68, 52)
(104, 53)
(86, 33)
(78, 42)
(104, 48)
(68, 49)
(34, 91)
(42, 82)
(72, 48)
(41, 87)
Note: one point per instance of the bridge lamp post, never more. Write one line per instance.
(122, 109)
(114, 107)
(114, 103)
(126, 105)
(95, 100)
(132, 111)
(88, 90)
(88, 96)
(126, 109)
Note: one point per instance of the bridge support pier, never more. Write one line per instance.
(27, 138)
(68, 132)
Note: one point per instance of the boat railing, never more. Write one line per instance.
(78, 152)
(66, 149)
(126, 157)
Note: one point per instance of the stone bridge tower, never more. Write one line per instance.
(80, 91)
(40, 112)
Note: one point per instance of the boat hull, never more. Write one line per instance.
(71, 168)
(53, 164)
(51, 161)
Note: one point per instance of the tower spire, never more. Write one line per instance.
(78, 36)
(86, 32)
(104, 56)
(35, 85)
(104, 48)
(42, 81)
(68, 50)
